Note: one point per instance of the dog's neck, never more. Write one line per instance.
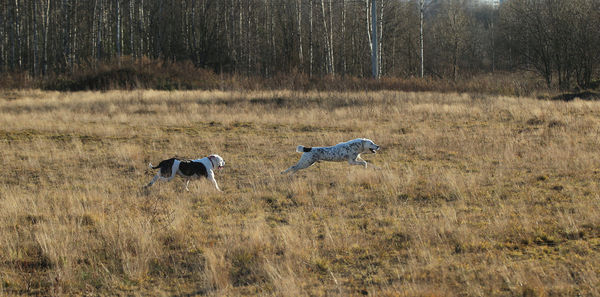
(210, 158)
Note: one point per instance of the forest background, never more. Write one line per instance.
(504, 47)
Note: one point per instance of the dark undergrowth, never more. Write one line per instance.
(154, 74)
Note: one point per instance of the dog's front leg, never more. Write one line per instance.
(211, 177)
(186, 185)
(358, 161)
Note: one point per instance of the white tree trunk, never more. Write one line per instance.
(380, 47)
(18, 36)
(421, 10)
(74, 44)
(343, 47)
(310, 39)
(35, 40)
(66, 33)
(368, 14)
(143, 32)
(46, 25)
(331, 55)
(118, 39)
(131, 44)
(299, 16)
(327, 41)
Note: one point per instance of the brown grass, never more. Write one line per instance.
(476, 196)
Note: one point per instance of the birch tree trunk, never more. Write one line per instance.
(118, 39)
(299, 16)
(35, 39)
(331, 45)
(248, 49)
(131, 44)
(3, 41)
(368, 14)
(310, 39)
(421, 10)
(158, 38)
(493, 43)
(74, 43)
(271, 38)
(194, 45)
(327, 41)
(17, 40)
(46, 25)
(240, 37)
(66, 34)
(98, 22)
(374, 59)
(12, 41)
(142, 30)
(380, 47)
(343, 43)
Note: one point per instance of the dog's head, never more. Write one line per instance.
(369, 146)
(217, 161)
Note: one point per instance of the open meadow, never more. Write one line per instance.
(475, 195)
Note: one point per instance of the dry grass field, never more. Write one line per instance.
(475, 196)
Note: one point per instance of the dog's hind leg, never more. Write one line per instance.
(292, 169)
(304, 162)
(156, 177)
(187, 182)
(174, 169)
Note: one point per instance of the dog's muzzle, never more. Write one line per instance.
(374, 151)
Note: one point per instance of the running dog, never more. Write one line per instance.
(346, 151)
(188, 169)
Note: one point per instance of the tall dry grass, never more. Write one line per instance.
(476, 195)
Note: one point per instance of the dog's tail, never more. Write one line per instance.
(152, 167)
(302, 149)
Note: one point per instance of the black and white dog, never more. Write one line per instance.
(346, 151)
(188, 169)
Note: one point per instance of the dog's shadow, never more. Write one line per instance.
(143, 191)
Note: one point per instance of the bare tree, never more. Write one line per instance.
(557, 39)
(299, 31)
(35, 38)
(46, 16)
(328, 34)
(118, 30)
(451, 28)
(310, 39)
(422, 56)
(131, 26)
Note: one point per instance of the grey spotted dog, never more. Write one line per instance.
(346, 151)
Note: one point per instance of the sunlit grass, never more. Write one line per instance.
(473, 195)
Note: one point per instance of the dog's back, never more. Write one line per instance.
(191, 168)
(165, 166)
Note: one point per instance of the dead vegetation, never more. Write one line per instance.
(477, 195)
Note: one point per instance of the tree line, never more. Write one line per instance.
(557, 39)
